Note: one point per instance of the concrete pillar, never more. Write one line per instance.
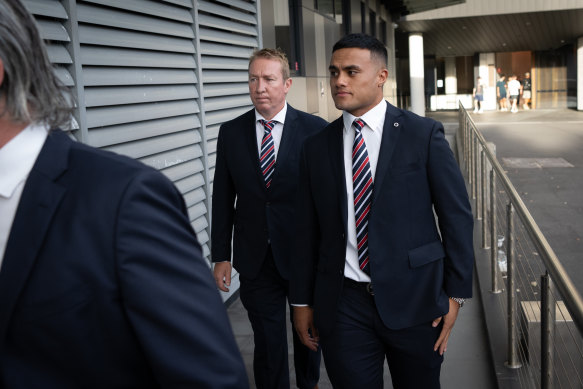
(580, 74)
(417, 73)
(487, 70)
(450, 76)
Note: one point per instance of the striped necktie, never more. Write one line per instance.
(267, 153)
(362, 185)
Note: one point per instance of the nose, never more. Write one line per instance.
(338, 81)
(259, 85)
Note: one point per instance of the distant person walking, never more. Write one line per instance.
(514, 91)
(478, 93)
(526, 91)
(501, 93)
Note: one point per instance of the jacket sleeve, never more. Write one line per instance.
(168, 292)
(454, 213)
(223, 205)
(304, 258)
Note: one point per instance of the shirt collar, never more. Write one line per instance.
(374, 118)
(18, 156)
(279, 117)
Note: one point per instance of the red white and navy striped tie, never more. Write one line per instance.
(362, 185)
(267, 154)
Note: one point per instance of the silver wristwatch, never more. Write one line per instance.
(459, 300)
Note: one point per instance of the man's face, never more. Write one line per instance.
(267, 86)
(356, 80)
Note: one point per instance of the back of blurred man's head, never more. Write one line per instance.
(29, 88)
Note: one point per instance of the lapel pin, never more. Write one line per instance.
(396, 124)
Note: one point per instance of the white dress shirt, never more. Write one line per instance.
(276, 132)
(17, 158)
(372, 133)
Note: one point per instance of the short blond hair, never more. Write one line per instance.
(274, 54)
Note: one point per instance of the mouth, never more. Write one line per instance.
(341, 93)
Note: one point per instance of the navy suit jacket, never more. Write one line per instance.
(415, 265)
(103, 284)
(260, 215)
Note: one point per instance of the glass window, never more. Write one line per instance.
(330, 8)
(363, 17)
(383, 28)
(286, 34)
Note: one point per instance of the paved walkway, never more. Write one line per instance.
(467, 362)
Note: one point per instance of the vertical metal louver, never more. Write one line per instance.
(51, 17)
(154, 80)
(228, 34)
(141, 93)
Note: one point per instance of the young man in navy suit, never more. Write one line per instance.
(374, 275)
(102, 281)
(254, 198)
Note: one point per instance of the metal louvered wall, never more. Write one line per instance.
(155, 79)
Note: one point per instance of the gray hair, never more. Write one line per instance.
(32, 91)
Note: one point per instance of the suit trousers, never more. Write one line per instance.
(355, 351)
(264, 298)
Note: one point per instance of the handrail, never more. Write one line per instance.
(572, 299)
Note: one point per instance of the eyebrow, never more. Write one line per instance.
(262, 76)
(349, 67)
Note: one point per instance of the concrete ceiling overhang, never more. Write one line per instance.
(545, 30)
(406, 7)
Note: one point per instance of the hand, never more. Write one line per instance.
(304, 325)
(222, 275)
(448, 322)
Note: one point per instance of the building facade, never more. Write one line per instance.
(489, 38)
(154, 80)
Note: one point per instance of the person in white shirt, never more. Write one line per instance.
(514, 89)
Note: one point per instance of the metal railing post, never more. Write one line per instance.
(479, 162)
(512, 362)
(493, 233)
(467, 146)
(484, 198)
(475, 172)
(470, 162)
(548, 320)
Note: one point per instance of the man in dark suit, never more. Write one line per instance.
(254, 195)
(102, 282)
(374, 276)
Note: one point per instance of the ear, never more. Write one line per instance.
(382, 76)
(287, 84)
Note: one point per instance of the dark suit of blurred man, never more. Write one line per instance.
(102, 281)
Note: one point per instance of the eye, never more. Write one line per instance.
(352, 73)
(333, 73)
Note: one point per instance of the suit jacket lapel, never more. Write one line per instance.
(40, 199)
(288, 137)
(336, 153)
(391, 130)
